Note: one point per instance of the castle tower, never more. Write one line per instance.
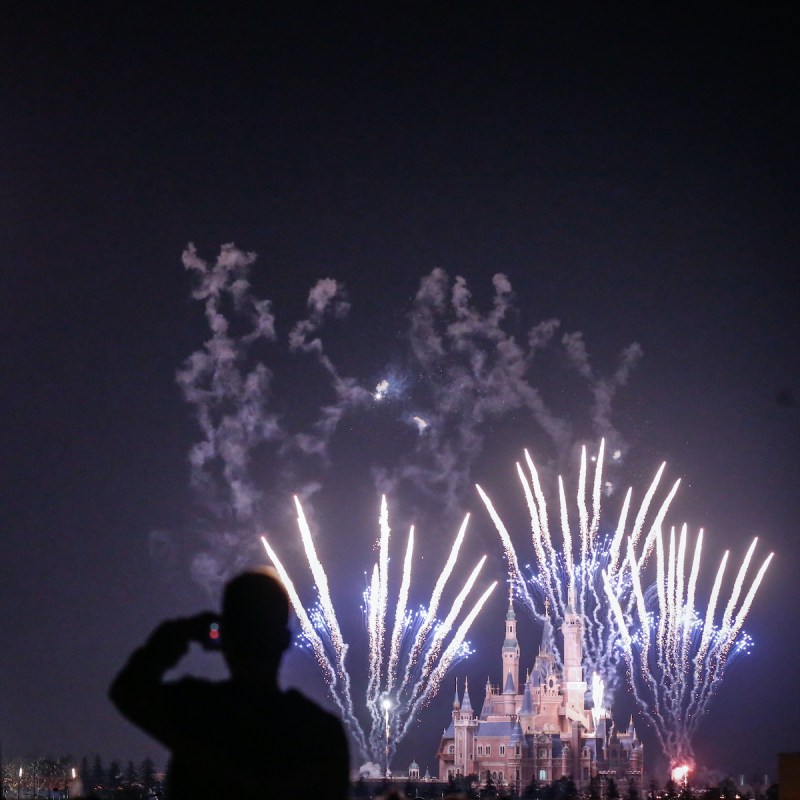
(516, 744)
(510, 652)
(572, 629)
(466, 704)
(465, 725)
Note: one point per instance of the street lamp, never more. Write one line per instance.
(387, 706)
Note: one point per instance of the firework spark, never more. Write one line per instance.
(407, 658)
(675, 657)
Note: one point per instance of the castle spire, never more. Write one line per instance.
(527, 702)
(510, 649)
(546, 645)
(466, 705)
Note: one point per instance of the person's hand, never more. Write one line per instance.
(204, 628)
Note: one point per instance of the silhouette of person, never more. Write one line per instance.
(242, 737)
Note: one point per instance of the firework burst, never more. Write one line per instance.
(580, 560)
(407, 656)
(676, 656)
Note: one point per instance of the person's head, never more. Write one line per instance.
(255, 624)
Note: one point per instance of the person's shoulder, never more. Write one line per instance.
(300, 705)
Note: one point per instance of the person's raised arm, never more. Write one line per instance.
(139, 691)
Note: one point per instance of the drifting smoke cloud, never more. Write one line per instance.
(603, 389)
(326, 298)
(476, 371)
(230, 401)
(471, 368)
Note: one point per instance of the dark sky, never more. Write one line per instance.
(634, 177)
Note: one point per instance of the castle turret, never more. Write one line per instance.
(510, 651)
(466, 705)
(547, 645)
(527, 702)
(572, 629)
(515, 746)
(465, 725)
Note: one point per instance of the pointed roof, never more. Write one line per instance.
(546, 645)
(510, 642)
(466, 705)
(456, 702)
(516, 734)
(510, 613)
(570, 609)
(509, 688)
(527, 703)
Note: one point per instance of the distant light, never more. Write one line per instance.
(679, 774)
(387, 704)
(617, 455)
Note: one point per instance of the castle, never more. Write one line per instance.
(542, 729)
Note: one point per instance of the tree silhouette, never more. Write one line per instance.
(531, 791)
(114, 775)
(98, 774)
(131, 774)
(147, 773)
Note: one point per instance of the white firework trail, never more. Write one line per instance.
(420, 692)
(376, 619)
(675, 657)
(556, 570)
(415, 645)
(450, 654)
(429, 617)
(400, 611)
(598, 698)
(342, 697)
(511, 554)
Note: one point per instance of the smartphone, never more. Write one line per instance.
(213, 637)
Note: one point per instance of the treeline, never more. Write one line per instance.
(66, 776)
(471, 787)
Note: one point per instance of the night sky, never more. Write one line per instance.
(634, 177)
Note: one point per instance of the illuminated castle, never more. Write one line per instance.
(542, 729)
